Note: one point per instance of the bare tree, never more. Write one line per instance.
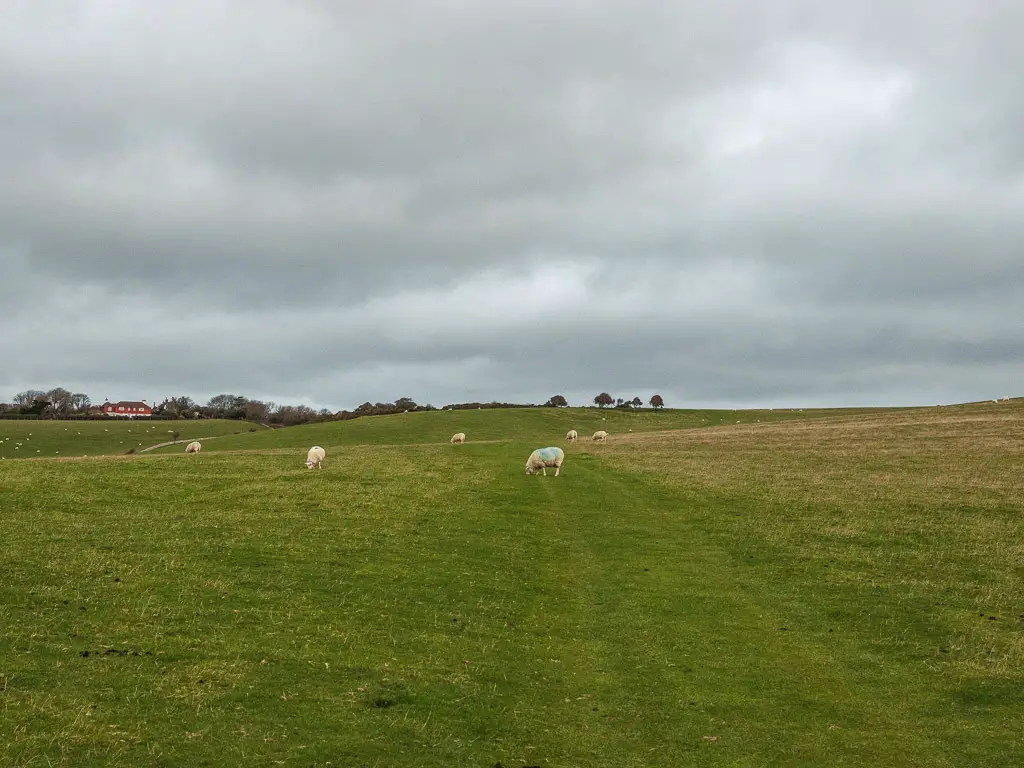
(60, 401)
(256, 411)
(179, 407)
(603, 400)
(657, 402)
(294, 414)
(226, 406)
(28, 397)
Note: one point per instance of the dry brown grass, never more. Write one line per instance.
(935, 455)
(925, 505)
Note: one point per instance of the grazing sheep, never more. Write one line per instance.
(194, 447)
(458, 437)
(600, 436)
(1005, 398)
(571, 435)
(315, 456)
(545, 457)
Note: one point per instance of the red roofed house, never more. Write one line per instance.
(130, 408)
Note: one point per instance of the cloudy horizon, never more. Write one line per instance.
(793, 204)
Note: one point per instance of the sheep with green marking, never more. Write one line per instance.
(542, 458)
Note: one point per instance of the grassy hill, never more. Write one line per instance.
(42, 438)
(488, 425)
(838, 590)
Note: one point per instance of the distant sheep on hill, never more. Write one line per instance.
(194, 447)
(600, 436)
(458, 437)
(315, 457)
(542, 458)
(571, 435)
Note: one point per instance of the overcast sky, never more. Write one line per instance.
(739, 203)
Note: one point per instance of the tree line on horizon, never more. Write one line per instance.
(604, 400)
(60, 403)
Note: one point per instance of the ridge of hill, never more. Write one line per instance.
(492, 424)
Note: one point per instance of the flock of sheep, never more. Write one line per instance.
(539, 460)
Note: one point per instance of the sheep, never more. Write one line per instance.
(571, 435)
(194, 447)
(600, 436)
(542, 458)
(458, 437)
(315, 456)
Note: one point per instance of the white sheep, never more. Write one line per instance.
(315, 456)
(458, 437)
(542, 458)
(600, 436)
(571, 435)
(194, 447)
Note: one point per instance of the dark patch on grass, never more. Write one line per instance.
(115, 652)
(985, 693)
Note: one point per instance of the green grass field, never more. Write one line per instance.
(843, 590)
(489, 425)
(44, 438)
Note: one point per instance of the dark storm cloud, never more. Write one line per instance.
(753, 203)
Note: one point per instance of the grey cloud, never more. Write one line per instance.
(750, 201)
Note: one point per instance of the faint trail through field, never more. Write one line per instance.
(197, 439)
(175, 442)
